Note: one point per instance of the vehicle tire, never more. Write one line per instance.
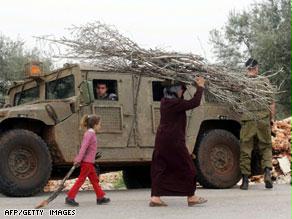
(217, 159)
(25, 164)
(137, 177)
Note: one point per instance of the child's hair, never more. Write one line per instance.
(89, 121)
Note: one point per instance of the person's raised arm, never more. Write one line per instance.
(184, 105)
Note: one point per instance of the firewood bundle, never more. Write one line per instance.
(282, 138)
(105, 47)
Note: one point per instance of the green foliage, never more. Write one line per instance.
(264, 33)
(13, 57)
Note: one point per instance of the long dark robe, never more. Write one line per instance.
(172, 169)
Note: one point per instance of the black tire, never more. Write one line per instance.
(26, 163)
(217, 159)
(137, 177)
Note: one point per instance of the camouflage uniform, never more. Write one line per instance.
(107, 97)
(255, 131)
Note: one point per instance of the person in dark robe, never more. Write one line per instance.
(172, 169)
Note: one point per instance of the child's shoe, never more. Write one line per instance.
(71, 202)
(103, 200)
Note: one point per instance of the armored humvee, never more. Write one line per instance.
(40, 133)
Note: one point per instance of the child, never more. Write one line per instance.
(86, 159)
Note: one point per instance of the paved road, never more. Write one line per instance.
(232, 203)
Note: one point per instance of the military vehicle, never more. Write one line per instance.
(40, 134)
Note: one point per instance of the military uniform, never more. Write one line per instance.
(255, 131)
(107, 97)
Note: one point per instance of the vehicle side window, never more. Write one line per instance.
(105, 89)
(26, 96)
(61, 88)
(157, 90)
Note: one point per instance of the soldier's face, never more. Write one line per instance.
(252, 72)
(101, 89)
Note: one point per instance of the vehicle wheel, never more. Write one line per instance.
(137, 177)
(25, 163)
(217, 159)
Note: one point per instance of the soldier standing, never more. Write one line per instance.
(256, 131)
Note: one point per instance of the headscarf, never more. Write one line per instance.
(171, 92)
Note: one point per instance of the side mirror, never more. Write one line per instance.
(86, 92)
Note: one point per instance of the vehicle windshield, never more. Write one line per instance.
(61, 88)
(26, 96)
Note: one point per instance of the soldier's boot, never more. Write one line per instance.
(244, 184)
(268, 178)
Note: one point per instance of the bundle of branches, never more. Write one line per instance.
(105, 47)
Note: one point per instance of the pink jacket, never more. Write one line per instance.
(88, 148)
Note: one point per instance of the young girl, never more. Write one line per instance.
(86, 159)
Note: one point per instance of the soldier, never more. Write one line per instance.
(102, 92)
(256, 132)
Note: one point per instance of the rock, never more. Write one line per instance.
(285, 165)
(281, 141)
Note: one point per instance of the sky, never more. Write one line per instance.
(177, 25)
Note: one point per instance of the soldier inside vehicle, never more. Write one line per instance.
(105, 89)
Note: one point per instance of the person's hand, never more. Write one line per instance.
(76, 164)
(98, 155)
(200, 81)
